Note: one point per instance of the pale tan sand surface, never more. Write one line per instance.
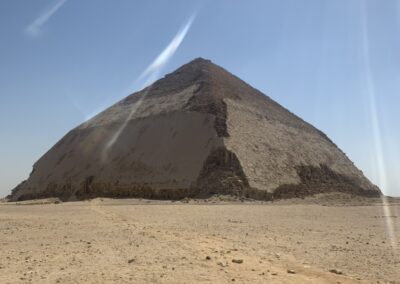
(139, 241)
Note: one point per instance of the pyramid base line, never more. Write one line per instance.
(314, 180)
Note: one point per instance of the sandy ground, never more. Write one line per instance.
(139, 241)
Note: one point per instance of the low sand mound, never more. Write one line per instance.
(43, 201)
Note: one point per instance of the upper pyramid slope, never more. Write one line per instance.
(172, 92)
(197, 131)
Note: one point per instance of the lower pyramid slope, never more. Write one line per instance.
(198, 131)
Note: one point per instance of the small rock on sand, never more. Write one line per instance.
(336, 271)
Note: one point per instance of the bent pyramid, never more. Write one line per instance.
(198, 131)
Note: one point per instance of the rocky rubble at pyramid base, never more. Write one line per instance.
(212, 181)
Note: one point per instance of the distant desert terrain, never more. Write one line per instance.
(320, 239)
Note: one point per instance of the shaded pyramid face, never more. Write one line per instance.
(198, 131)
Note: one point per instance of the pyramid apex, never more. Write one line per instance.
(201, 59)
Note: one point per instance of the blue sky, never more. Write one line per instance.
(334, 63)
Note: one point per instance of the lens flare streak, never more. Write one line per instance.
(149, 75)
(35, 28)
(380, 168)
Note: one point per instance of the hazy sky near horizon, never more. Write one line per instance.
(336, 64)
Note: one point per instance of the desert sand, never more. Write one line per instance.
(315, 240)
